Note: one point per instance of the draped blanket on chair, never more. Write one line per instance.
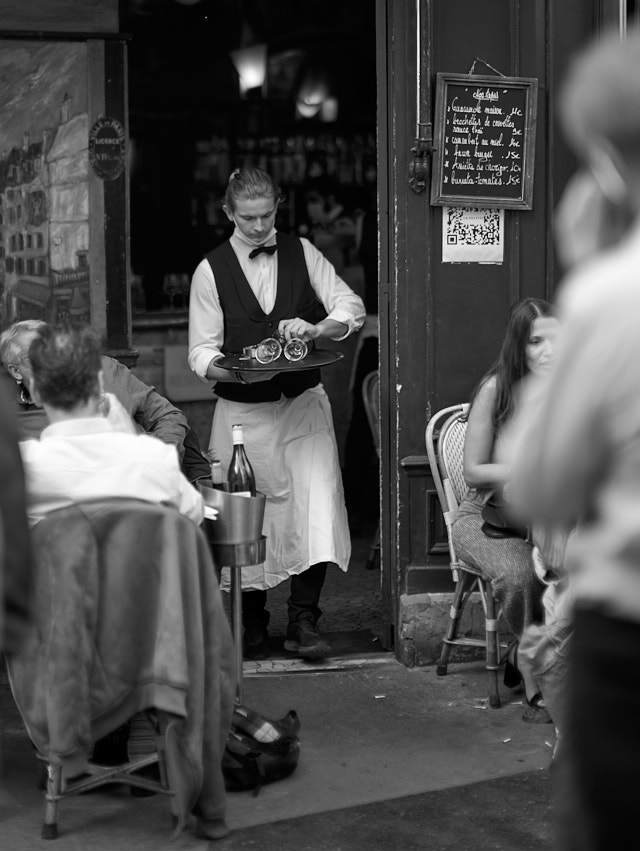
(129, 616)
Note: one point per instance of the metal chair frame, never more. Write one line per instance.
(371, 401)
(444, 438)
(102, 775)
(50, 773)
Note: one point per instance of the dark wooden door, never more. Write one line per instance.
(441, 323)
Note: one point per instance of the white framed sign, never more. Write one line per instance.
(472, 235)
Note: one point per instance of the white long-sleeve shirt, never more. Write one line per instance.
(84, 459)
(206, 318)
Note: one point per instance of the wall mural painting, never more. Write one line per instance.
(44, 182)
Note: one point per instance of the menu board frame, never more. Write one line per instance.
(522, 156)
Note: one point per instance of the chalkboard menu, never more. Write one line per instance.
(484, 141)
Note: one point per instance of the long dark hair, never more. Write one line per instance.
(511, 364)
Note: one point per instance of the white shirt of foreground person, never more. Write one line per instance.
(84, 459)
(583, 453)
(291, 442)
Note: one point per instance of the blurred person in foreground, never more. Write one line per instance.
(125, 399)
(16, 569)
(582, 459)
(81, 455)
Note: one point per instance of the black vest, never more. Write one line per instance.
(246, 323)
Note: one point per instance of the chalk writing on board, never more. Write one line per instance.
(484, 141)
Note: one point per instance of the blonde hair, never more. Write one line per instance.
(250, 183)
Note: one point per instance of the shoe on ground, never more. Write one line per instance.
(304, 639)
(512, 675)
(255, 643)
(213, 828)
(536, 712)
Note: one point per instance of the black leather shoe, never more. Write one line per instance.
(305, 640)
(255, 643)
(512, 676)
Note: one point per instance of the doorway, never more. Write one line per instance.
(309, 118)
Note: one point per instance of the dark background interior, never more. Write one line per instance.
(189, 125)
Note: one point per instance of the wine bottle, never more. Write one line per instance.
(240, 478)
(217, 477)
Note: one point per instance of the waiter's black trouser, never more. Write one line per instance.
(302, 604)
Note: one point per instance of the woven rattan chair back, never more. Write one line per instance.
(451, 452)
(371, 401)
(444, 438)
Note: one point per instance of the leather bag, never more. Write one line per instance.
(259, 750)
(497, 522)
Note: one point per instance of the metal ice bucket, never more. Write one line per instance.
(239, 519)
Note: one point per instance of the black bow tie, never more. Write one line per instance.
(263, 249)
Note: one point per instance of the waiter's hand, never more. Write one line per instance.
(297, 327)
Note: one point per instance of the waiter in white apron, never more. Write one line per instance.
(254, 284)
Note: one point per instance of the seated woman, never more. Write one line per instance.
(527, 353)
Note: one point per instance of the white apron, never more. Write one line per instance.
(292, 448)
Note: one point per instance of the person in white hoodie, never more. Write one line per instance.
(582, 461)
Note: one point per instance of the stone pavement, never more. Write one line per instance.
(391, 757)
(485, 815)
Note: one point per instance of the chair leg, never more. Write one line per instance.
(54, 788)
(374, 550)
(41, 775)
(162, 765)
(493, 647)
(462, 589)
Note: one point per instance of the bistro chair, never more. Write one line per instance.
(371, 400)
(444, 437)
(129, 634)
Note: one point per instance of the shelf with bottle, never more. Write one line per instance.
(301, 163)
(347, 159)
